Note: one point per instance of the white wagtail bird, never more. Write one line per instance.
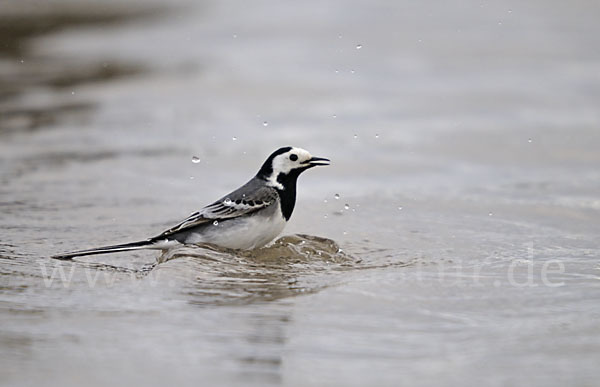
(247, 218)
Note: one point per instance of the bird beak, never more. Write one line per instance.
(315, 161)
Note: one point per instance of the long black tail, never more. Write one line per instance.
(147, 244)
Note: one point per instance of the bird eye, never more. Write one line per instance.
(293, 157)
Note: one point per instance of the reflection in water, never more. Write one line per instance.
(265, 338)
(293, 265)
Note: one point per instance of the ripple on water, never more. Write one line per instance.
(293, 265)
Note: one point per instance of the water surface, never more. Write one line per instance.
(453, 240)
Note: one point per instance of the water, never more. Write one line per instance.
(448, 118)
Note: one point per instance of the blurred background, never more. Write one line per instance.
(463, 191)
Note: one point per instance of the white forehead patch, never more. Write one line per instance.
(284, 164)
(302, 154)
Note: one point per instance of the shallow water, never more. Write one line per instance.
(453, 240)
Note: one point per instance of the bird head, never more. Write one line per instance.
(288, 161)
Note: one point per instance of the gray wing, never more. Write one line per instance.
(247, 199)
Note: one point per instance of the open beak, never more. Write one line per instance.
(315, 161)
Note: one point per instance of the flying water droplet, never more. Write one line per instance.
(399, 208)
(352, 71)
(355, 136)
(529, 140)
(337, 196)
(227, 201)
(265, 123)
(337, 71)
(358, 46)
(72, 93)
(234, 36)
(195, 159)
(325, 216)
(334, 116)
(491, 214)
(377, 136)
(325, 201)
(345, 232)
(216, 223)
(234, 138)
(346, 206)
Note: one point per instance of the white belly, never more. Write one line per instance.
(242, 233)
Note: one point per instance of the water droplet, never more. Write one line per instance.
(400, 208)
(216, 223)
(334, 116)
(510, 11)
(345, 233)
(234, 36)
(352, 71)
(22, 61)
(72, 93)
(337, 71)
(227, 201)
(325, 216)
(191, 177)
(346, 206)
(243, 195)
(337, 196)
(325, 201)
(339, 36)
(500, 23)
(358, 46)
(529, 140)
(195, 159)
(376, 136)
(234, 138)
(355, 136)
(491, 214)
(420, 40)
(265, 123)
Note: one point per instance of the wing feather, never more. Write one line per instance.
(238, 203)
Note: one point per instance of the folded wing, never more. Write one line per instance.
(241, 202)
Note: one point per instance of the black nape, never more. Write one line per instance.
(267, 168)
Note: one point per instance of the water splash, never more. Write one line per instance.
(292, 265)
